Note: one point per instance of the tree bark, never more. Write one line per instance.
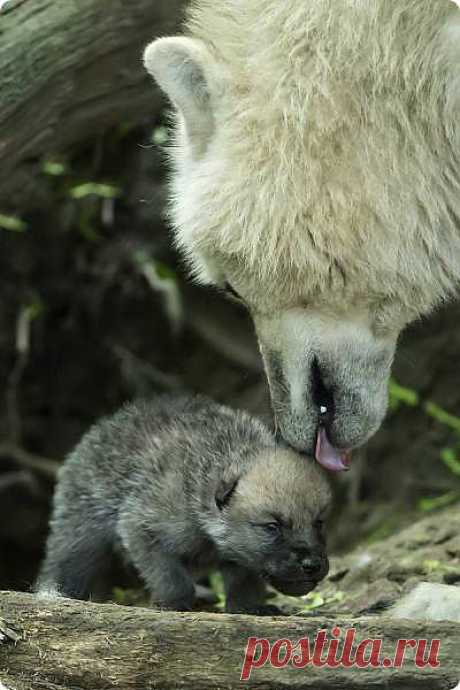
(69, 70)
(62, 644)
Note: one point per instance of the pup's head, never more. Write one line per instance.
(270, 520)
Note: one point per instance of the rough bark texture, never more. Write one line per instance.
(68, 644)
(69, 70)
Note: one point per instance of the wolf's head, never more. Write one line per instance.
(317, 175)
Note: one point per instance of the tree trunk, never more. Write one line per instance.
(69, 70)
(62, 644)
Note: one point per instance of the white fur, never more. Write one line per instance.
(183, 67)
(338, 125)
(326, 176)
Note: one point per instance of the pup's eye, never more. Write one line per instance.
(272, 526)
(319, 524)
(231, 291)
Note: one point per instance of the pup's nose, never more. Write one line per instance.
(323, 398)
(312, 565)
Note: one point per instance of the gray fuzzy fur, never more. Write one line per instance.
(183, 485)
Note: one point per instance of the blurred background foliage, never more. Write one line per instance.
(97, 308)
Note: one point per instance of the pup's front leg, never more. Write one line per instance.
(245, 592)
(169, 583)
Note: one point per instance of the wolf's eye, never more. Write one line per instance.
(231, 291)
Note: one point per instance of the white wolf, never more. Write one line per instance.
(317, 174)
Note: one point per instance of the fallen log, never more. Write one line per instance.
(52, 644)
(69, 70)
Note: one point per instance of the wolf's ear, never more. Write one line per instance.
(181, 67)
(225, 491)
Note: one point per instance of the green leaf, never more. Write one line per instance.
(217, 585)
(35, 309)
(54, 168)
(163, 280)
(164, 272)
(315, 600)
(401, 395)
(449, 458)
(104, 191)
(119, 595)
(12, 223)
(129, 597)
(428, 504)
(450, 420)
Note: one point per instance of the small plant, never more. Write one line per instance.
(104, 191)
(450, 456)
(54, 168)
(399, 395)
(12, 223)
(316, 600)
(161, 278)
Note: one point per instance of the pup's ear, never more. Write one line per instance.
(181, 67)
(225, 491)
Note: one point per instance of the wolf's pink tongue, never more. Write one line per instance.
(328, 456)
